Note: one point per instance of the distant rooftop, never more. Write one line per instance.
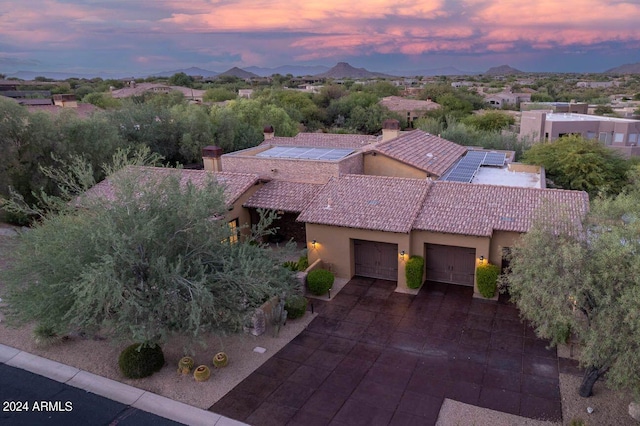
(565, 116)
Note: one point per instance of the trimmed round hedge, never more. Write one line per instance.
(138, 360)
(487, 276)
(413, 271)
(296, 306)
(320, 281)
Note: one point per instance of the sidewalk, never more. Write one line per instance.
(113, 390)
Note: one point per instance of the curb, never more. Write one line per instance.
(114, 390)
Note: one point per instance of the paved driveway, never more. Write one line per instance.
(376, 357)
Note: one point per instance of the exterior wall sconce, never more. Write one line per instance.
(313, 243)
(481, 259)
(402, 253)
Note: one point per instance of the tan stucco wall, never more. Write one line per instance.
(334, 246)
(242, 213)
(381, 165)
(300, 170)
(420, 238)
(500, 240)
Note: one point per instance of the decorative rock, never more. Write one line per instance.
(589, 410)
(220, 360)
(202, 373)
(185, 365)
(634, 410)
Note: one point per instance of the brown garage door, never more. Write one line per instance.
(376, 260)
(450, 264)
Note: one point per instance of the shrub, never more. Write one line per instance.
(140, 360)
(45, 335)
(291, 265)
(319, 281)
(295, 306)
(303, 263)
(487, 276)
(413, 271)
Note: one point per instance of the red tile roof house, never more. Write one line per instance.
(364, 204)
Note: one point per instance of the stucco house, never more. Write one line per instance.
(621, 134)
(364, 204)
(409, 108)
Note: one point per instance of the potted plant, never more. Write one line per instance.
(202, 373)
(220, 360)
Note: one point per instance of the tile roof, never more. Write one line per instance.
(367, 202)
(398, 103)
(323, 140)
(423, 150)
(284, 195)
(235, 184)
(473, 209)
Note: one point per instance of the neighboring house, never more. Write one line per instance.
(245, 93)
(408, 108)
(597, 84)
(621, 134)
(499, 100)
(573, 107)
(138, 89)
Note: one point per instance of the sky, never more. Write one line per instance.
(140, 37)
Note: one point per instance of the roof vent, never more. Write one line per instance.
(328, 206)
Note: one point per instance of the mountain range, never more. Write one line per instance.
(340, 70)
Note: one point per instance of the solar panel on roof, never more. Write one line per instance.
(305, 153)
(494, 159)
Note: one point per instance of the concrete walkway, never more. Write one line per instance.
(107, 388)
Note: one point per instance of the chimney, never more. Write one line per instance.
(390, 129)
(212, 158)
(268, 132)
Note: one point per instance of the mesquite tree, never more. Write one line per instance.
(584, 281)
(156, 257)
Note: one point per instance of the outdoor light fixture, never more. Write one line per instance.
(481, 260)
(402, 254)
(313, 243)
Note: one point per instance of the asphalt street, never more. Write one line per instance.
(29, 399)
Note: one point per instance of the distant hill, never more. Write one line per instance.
(238, 72)
(344, 70)
(294, 70)
(193, 71)
(502, 70)
(625, 69)
(30, 75)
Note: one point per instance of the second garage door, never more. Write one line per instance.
(376, 260)
(451, 264)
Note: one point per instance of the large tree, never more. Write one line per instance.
(154, 258)
(583, 280)
(573, 162)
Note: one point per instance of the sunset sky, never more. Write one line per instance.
(146, 36)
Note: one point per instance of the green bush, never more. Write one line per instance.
(295, 306)
(291, 265)
(487, 276)
(303, 263)
(320, 281)
(140, 360)
(413, 271)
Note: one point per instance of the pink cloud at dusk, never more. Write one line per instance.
(225, 33)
